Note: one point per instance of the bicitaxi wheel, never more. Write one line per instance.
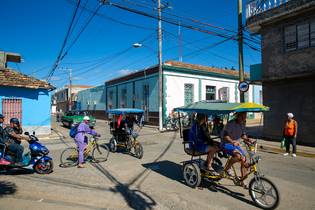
(264, 193)
(192, 174)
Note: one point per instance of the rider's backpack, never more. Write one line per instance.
(73, 130)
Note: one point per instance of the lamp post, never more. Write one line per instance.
(160, 66)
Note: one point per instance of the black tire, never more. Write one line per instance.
(69, 157)
(113, 145)
(138, 150)
(45, 167)
(100, 153)
(192, 174)
(257, 186)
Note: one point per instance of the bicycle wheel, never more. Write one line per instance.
(138, 150)
(69, 157)
(264, 193)
(100, 153)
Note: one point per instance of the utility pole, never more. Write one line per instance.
(160, 67)
(180, 47)
(240, 46)
(70, 89)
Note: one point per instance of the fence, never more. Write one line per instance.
(254, 7)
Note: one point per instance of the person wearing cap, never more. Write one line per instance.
(81, 139)
(14, 138)
(289, 134)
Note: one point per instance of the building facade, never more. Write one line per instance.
(61, 97)
(287, 29)
(27, 99)
(92, 100)
(182, 84)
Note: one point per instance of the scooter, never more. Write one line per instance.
(37, 158)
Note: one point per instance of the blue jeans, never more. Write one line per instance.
(18, 150)
(290, 140)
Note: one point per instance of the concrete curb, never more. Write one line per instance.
(278, 150)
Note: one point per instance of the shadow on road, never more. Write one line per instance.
(18, 171)
(166, 168)
(135, 199)
(7, 188)
(214, 187)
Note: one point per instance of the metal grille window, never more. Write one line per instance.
(303, 35)
(290, 38)
(110, 99)
(210, 92)
(188, 93)
(123, 98)
(11, 107)
(312, 32)
(224, 94)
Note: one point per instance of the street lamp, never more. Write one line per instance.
(137, 45)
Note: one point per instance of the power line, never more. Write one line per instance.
(64, 42)
(103, 16)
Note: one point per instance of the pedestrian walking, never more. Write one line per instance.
(289, 134)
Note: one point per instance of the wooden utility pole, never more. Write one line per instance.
(240, 46)
(160, 67)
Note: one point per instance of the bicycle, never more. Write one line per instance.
(93, 152)
(262, 191)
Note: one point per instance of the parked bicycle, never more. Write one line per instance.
(93, 152)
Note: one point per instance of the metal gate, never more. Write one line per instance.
(11, 107)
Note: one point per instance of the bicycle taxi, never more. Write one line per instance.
(262, 191)
(122, 130)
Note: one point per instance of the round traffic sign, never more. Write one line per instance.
(243, 86)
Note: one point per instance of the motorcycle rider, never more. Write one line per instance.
(14, 138)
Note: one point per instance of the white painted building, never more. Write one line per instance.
(183, 83)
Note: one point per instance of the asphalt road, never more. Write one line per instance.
(154, 182)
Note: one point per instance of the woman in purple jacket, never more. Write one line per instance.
(81, 139)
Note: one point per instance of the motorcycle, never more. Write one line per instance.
(37, 158)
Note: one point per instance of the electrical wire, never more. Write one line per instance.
(64, 42)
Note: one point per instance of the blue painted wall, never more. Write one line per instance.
(36, 104)
(151, 81)
(92, 99)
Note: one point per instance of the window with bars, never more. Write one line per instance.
(299, 36)
(123, 98)
(110, 99)
(210, 92)
(11, 108)
(188, 94)
(290, 38)
(303, 35)
(312, 32)
(224, 94)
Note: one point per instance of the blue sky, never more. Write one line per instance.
(36, 30)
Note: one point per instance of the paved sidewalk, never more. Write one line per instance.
(274, 146)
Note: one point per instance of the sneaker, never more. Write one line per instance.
(285, 154)
(4, 162)
(293, 155)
